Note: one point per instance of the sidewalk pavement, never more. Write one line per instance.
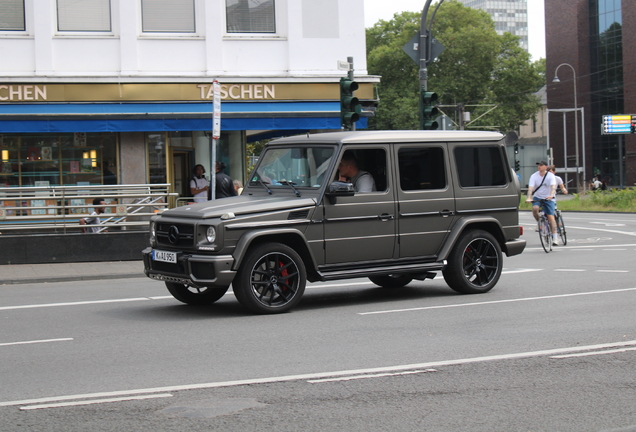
(64, 272)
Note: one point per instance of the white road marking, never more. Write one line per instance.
(569, 270)
(36, 341)
(312, 376)
(496, 302)
(357, 377)
(592, 353)
(73, 303)
(94, 401)
(613, 271)
(520, 271)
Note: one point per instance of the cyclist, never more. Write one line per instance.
(542, 186)
(559, 180)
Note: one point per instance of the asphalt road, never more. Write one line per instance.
(551, 348)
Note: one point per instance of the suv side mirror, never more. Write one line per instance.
(339, 189)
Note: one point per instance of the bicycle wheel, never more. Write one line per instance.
(561, 228)
(544, 234)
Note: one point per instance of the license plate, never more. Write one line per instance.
(164, 256)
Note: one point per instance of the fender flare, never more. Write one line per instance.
(464, 223)
(246, 240)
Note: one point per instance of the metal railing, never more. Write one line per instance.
(58, 209)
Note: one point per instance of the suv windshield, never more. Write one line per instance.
(300, 166)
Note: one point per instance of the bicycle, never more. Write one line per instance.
(545, 233)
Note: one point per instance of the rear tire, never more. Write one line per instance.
(545, 234)
(195, 296)
(391, 281)
(474, 264)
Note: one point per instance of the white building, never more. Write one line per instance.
(88, 84)
(510, 16)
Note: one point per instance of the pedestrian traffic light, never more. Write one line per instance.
(350, 107)
(517, 165)
(516, 148)
(428, 110)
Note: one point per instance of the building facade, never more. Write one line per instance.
(510, 16)
(120, 91)
(589, 46)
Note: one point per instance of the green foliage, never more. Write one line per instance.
(613, 200)
(477, 67)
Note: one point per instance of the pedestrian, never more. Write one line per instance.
(224, 184)
(199, 185)
(93, 220)
(542, 186)
(597, 183)
(238, 186)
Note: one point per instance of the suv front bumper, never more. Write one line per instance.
(191, 269)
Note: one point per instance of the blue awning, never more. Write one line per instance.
(144, 117)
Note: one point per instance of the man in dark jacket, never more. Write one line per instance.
(224, 184)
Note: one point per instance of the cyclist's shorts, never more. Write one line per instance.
(548, 206)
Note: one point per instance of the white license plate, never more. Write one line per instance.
(164, 256)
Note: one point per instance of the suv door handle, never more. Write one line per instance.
(386, 217)
(446, 213)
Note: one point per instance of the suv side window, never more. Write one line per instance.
(480, 166)
(372, 161)
(421, 168)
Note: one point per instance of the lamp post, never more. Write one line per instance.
(576, 122)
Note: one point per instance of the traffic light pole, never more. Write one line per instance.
(424, 48)
(350, 76)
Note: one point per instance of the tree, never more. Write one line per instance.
(477, 67)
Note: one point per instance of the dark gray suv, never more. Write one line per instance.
(402, 205)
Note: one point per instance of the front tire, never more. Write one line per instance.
(474, 264)
(195, 296)
(561, 229)
(391, 281)
(271, 279)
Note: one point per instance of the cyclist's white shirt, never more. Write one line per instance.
(545, 189)
(559, 181)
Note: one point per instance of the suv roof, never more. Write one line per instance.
(369, 137)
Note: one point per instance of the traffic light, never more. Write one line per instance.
(516, 148)
(428, 110)
(350, 107)
(517, 165)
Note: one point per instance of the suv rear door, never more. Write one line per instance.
(425, 198)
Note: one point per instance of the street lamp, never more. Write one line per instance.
(576, 122)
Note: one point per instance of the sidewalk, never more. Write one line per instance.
(39, 273)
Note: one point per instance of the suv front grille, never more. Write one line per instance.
(170, 234)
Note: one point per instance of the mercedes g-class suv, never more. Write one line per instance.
(392, 206)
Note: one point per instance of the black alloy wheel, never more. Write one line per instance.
(474, 264)
(271, 279)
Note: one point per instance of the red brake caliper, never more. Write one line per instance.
(284, 273)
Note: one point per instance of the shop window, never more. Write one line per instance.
(156, 148)
(83, 15)
(9, 161)
(168, 16)
(245, 16)
(12, 17)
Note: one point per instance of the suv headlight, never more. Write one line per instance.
(152, 233)
(210, 234)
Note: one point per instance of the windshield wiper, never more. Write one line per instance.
(264, 185)
(291, 185)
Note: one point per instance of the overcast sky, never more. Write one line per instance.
(375, 10)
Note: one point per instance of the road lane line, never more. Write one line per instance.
(592, 353)
(496, 302)
(570, 270)
(311, 376)
(367, 376)
(73, 303)
(35, 341)
(613, 271)
(94, 401)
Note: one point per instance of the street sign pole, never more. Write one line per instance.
(216, 134)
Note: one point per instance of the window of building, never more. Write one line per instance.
(83, 15)
(168, 16)
(12, 16)
(422, 168)
(248, 16)
(156, 148)
(480, 166)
